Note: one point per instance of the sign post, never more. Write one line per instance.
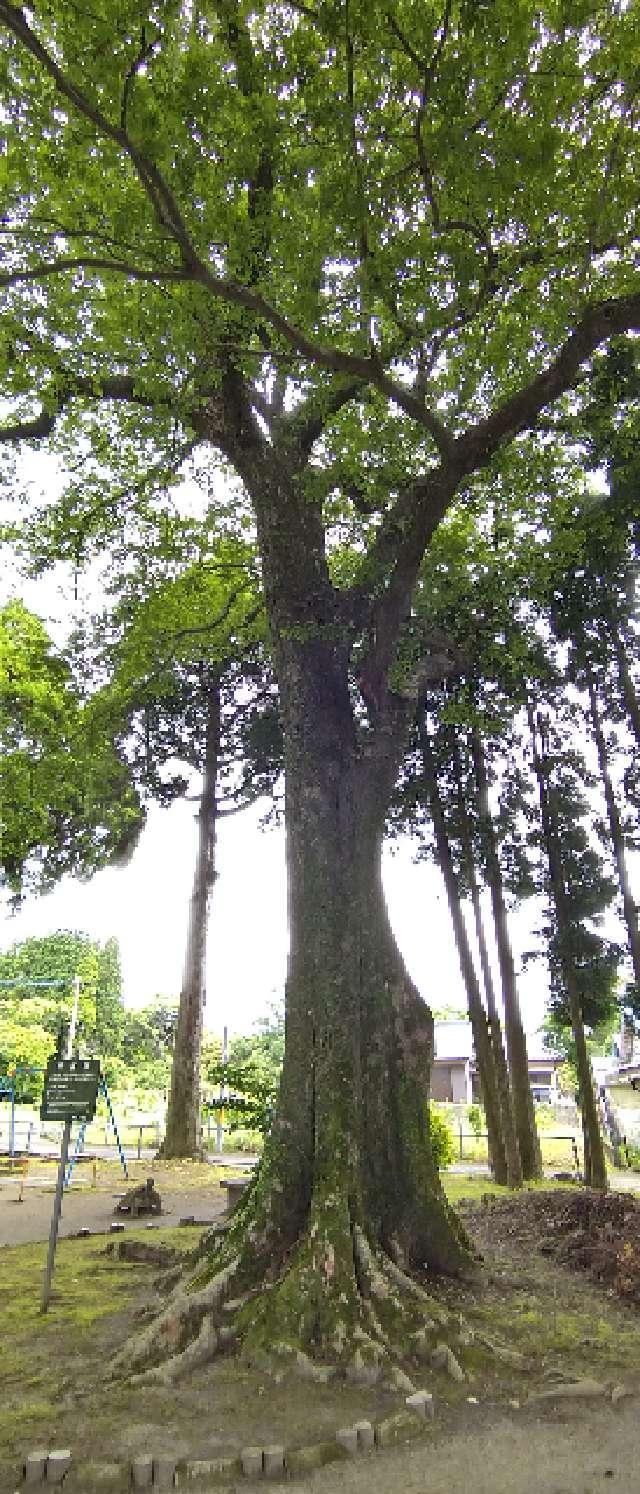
(70, 1093)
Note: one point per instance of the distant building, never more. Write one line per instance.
(618, 1078)
(454, 1075)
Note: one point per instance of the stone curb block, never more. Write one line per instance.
(366, 1438)
(34, 1467)
(422, 1403)
(251, 1462)
(273, 1461)
(347, 1437)
(142, 1472)
(164, 1473)
(58, 1463)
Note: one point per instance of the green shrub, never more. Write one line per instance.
(442, 1143)
(474, 1117)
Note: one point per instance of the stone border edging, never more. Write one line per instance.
(274, 1463)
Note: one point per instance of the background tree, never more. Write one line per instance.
(189, 677)
(401, 212)
(583, 964)
(68, 804)
(59, 957)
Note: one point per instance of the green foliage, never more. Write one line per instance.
(474, 1117)
(251, 1075)
(147, 1043)
(134, 1046)
(67, 800)
(441, 1140)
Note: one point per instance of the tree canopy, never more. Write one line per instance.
(68, 803)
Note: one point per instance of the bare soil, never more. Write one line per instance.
(89, 1207)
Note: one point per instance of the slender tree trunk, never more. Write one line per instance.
(479, 1026)
(630, 910)
(514, 1165)
(627, 685)
(524, 1109)
(183, 1129)
(594, 1158)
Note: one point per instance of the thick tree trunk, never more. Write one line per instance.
(347, 1201)
(594, 1158)
(183, 1129)
(524, 1109)
(629, 908)
(479, 1025)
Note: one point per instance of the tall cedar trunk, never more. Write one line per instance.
(523, 1104)
(352, 1115)
(594, 1158)
(512, 1151)
(183, 1129)
(615, 828)
(479, 1026)
(627, 686)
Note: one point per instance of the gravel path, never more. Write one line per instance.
(92, 1209)
(588, 1452)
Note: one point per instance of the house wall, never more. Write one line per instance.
(461, 1089)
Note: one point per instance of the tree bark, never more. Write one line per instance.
(524, 1109)
(595, 1168)
(479, 1026)
(627, 686)
(629, 907)
(183, 1127)
(512, 1151)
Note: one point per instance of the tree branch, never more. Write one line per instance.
(41, 272)
(146, 51)
(151, 179)
(117, 387)
(367, 368)
(305, 425)
(606, 319)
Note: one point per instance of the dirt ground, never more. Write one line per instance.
(490, 1435)
(588, 1452)
(86, 1207)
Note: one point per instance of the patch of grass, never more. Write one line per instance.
(472, 1187)
(70, 1344)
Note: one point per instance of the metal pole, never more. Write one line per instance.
(62, 1166)
(12, 1122)
(71, 1035)
(57, 1210)
(223, 1093)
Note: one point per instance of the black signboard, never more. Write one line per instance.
(70, 1089)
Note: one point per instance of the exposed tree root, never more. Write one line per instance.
(335, 1304)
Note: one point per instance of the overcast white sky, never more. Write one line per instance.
(144, 905)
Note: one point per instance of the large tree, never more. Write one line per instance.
(283, 228)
